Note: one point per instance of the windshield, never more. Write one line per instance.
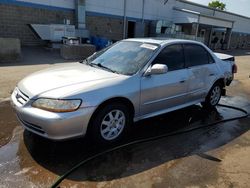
(125, 57)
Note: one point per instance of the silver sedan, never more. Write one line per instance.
(131, 80)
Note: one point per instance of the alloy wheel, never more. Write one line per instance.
(112, 124)
(215, 95)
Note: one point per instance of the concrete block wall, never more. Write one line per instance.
(111, 28)
(10, 50)
(240, 41)
(14, 20)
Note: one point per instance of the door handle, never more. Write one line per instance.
(211, 74)
(182, 81)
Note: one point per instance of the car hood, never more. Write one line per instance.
(62, 76)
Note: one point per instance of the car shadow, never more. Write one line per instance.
(59, 157)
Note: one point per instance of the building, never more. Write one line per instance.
(117, 19)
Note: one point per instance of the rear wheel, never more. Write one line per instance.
(110, 123)
(213, 96)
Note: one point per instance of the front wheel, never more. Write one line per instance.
(110, 123)
(213, 96)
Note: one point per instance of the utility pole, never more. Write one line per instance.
(124, 18)
(197, 27)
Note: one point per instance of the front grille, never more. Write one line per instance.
(21, 97)
(31, 126)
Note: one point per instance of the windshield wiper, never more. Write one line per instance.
(103, 67)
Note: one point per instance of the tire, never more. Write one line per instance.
(213, 96)
(110, 124)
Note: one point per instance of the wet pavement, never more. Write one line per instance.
(210, 157)
(27, 160)
(7, 122)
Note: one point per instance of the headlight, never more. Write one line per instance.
(57, 105)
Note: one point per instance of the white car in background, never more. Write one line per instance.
(131, 80)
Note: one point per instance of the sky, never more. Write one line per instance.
(241, 7)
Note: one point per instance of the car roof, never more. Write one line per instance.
(161, 41)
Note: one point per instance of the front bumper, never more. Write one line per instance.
(56, 126)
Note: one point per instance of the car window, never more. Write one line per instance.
(195, 55)
(172, 56)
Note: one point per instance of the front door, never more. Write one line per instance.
(164, 91)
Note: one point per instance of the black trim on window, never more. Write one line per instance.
(196, 56)
(177, 54)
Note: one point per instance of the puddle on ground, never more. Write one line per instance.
(10, 169)
(7, 122)
(31, 161)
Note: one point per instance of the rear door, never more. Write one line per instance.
(162, 91)
(201, 69)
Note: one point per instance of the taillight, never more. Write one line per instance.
(234, 68)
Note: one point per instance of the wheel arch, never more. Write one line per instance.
(220, 81)
(122, 100)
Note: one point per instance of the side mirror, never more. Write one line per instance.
(157, 69)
